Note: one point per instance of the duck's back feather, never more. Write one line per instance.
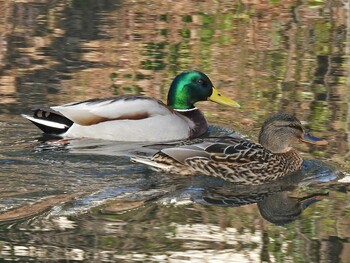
(235, 160)
(130, 107)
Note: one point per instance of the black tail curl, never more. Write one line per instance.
(51, 116)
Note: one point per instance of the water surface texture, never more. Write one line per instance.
(85, 201)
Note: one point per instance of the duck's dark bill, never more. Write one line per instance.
(311, 200)
(308, 138)
(221, 99)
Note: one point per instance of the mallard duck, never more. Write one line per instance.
(238, 160)
(136, 117)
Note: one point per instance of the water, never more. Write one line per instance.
(83, 200)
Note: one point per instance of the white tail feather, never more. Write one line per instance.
(45, 122)
(149, 162)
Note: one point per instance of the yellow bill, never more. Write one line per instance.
(217, 97)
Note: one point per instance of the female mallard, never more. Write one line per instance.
(136, 117)
(237, 160)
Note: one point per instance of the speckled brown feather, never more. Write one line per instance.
(238, 161)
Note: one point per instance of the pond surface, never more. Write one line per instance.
(84, 200)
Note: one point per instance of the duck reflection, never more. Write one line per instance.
(88, 146)
(280, 202)
(281, 209)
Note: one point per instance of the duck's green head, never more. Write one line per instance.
(192, 86)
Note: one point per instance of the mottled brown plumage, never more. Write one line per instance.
(238, 160)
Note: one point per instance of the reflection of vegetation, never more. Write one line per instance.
(321, 34)
(79, 3)
(279, 53)
(320, 116)
(207, 38)
(226, 23)
(185, 33)
(208, 28)
(187, 18)
(155, 56)
(176, 228)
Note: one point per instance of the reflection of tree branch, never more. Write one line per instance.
(347, 54)
(265, 253)
(292, 52)
(329, 67)
(307, 251)
(29, 211)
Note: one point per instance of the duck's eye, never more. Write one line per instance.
(296, 127)
(200, 81)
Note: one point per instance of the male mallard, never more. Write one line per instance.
(237, 160)
(136, 117)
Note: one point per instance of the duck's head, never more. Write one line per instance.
(281, 130)
(192, 86)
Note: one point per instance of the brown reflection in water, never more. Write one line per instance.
(174, 232)
(291, 56)
(283, 56)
